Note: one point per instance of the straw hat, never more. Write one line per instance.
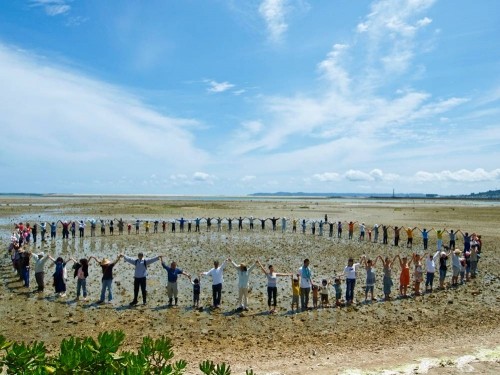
(105, 262)
(458, 252)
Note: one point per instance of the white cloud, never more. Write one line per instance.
(332, 70)
(217, 87)
(67, 118)
(326, 177)
(52, 7)
(202, 176)
(273, 12)
(424, 22)
(247, 178)
(462, 175)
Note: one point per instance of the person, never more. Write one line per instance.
(219, 224)
(387, 280)
(305, 284)
(320, 227)
(439, 235)
(455, 264)
(140, 274)
(443, 268)
(418, 273)
(24, 263)
(217, 279)
(40, 261)
(409, 236)
(430, 266)
(60, 276)
(375, 233)
(283, 224)
(243, 283)
(294, 225)
(350, 276)
(473, 258)
(81, 228)
(350, 227)
(251, 219)
(111, 227)
(197, 224)
(315, 291)
(53, 227)
(362, 232)
(385, 235)
(274, 220)
(425, 237)
(34, 232)
(295, 292)
(172, 274)
(453, 236)
(330, 228)
(107, 278)
(196, 291)
(93, 224)
(404, 277)
(73, 229)
(81, 272)
(129, 228)
(240, 224)
(138, 224)
(339, 229)
(397, 231)
(43, 230)
(324, 293)
(370, 277)
(272, 288)
(65, 229)
(337, 287)
(103, 227)
(304, 221)
(181, 224)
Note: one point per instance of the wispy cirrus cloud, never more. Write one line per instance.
(462, 175)
(218, 87)
(273, 12)
(52, 7)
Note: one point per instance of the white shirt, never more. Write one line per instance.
(430, 264)
(305, 282)
(217, 274)
(350, 272)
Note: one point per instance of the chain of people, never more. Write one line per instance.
(413, 269)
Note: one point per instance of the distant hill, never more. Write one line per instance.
(490, 194)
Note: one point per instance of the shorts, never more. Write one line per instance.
(324, 298)
(295, 300)
(456, 271)
(369, 289)
(442, 274)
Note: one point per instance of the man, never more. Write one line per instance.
(40, 261)
(217, 279)
(172, 274)
(141, 272)
(107, 277)
(305, 284)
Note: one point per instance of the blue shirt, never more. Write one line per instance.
(172, 273)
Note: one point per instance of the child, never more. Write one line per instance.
(387, 281)
(337, 286)
(324, 293)
(370, 278)
(418, 273)
(295, 292)
(315, 290)
(404, 277)
(463, 266)
(196, 292)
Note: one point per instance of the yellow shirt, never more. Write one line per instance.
(296, 289)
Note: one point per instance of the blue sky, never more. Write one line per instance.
(232, 97)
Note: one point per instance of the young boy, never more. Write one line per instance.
(295, 292)
(196, 292)
(337, 286)
(315, 290)
(324, 293)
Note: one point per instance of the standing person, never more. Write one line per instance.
(81, 228)
(305, 284)
(107, 277)
(140, 274)
(43, 227)
(375, 233)
(243, 283)
(196, 291)
(60, 276)
(81, 272)
(362, 232)
(283, 224)
(397, 230)
(387, 280)
(34, 232)
(453, 236)
(272, 288)
(443, 268)
(404, 277)
(73, 229)
(92, 227)
(409, 236)
(350, 278)
(24, 263)
(304, 221)
(425, 237)
(217, 279)
(350, 227)
(418, 274)
(370, 277)
(172, 274)
(295, 292)
(339, 229)
(330, 228)
(138, 224)
(430, 267)
(385, 235)
(53, 227)
(274, 220)
(40, 261)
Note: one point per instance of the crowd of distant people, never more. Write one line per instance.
(464, 262)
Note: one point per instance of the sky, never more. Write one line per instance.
(233, 97)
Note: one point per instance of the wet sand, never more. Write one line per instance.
(369, 337)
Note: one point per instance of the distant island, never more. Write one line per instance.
(490, 194)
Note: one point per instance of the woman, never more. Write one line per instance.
(60, 276)
(272, 289)
(243, 277)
